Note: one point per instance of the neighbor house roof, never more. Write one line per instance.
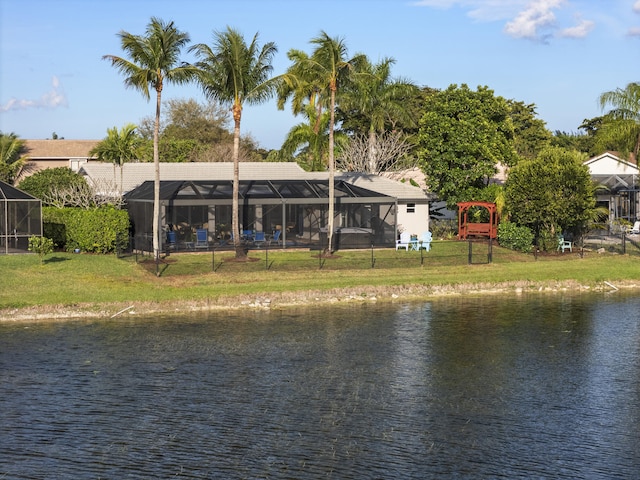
(59, 149)
(134, 174)
(614, 172)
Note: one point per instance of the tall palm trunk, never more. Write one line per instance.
(331, 171)
(235, 217)
(372, 151)
(156, 181)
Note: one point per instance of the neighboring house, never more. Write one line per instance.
(273, 196)
(57, 153)
(620, 179)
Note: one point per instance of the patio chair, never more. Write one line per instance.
(404, 241)
(564, 244)
(172, 239)
(635, 229)
(259, 239)
(247, 235)
(425, 241)
(276, 237)
(201, 238)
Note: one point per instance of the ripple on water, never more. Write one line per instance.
(472, 388)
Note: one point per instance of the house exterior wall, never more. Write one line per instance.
(413, 218)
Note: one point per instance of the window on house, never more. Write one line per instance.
(411, 208)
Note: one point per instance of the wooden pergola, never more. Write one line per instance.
(475, 229)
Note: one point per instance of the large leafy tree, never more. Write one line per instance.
(236, 73)
(12, 158)
(187, 119)
(190, 131)
(118, 147)
(317, 78)
(153, 62)
(530, 135)
(622, 123)
(463, 136)
(374, 102)
(551, 193)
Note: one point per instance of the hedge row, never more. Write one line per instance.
(100, 230)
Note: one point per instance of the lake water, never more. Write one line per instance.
(495, 387)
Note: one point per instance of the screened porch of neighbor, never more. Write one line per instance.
(20, 218)
(286, 213)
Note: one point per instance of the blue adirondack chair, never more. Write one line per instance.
(425, 241)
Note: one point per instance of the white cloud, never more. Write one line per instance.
(529, 19)
(484, 10)
(537, 17)
(581, 30)
(52, 99)
(634, 32)
(636, 6)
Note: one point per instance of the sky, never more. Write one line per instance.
(559, 55)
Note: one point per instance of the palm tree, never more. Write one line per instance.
(11, 157)
(625, 116)
(318, 77)
(119, 147)
(310, 141)
(234, 73)
(378, 100)
(154, 62)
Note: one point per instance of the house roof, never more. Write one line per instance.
(135, 174)
(59, 149)
(610, 170)
(8, 192)
(258, 190)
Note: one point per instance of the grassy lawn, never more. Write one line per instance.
(72, 279)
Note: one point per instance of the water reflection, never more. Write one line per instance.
(467, 388)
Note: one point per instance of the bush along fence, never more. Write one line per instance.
(99, 230)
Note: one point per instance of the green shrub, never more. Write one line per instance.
(98, 230)
(42, 183)
(41, 245)
(548, 240)
(444, 229)
(515, 237)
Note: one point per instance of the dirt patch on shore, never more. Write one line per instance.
(297, 299)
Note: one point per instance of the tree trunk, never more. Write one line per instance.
(235, 221)
(372, 151)
(156, 181)
(331, 174)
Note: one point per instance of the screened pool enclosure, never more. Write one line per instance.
(285, 213)
(20, 218)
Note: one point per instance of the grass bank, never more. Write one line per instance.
(69, 285)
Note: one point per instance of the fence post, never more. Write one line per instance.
(490, 253)
(470, 252)
(373, 260)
